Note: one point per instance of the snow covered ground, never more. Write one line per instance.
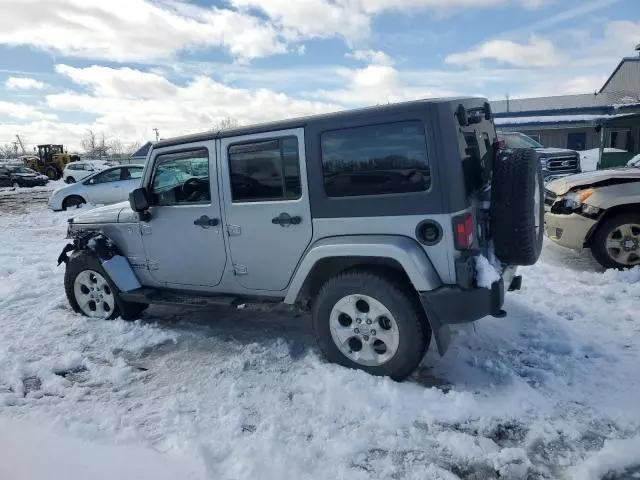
(551, 391)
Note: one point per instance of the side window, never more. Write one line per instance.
(375, 159)
(181, 178)
(135, 173)
(265, 170)
(107, 177)
(130, 173)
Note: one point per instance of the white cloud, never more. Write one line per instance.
(22, 111)
(377, 6)
(313, 18)
(24, 83)
(539, 52)
(371, 56)
(378, 84)
(134, 30)
(128, 103)
(351, 19)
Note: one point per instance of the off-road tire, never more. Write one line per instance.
(513, 211)
(399, 299)
(73, 201)
(53, 173)
(81, 261)
(598, 246)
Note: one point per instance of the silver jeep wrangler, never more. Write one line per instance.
(378, 220)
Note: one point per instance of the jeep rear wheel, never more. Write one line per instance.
(364, 320)
(517, 209)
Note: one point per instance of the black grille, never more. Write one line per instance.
(549, 197)
(562, 164)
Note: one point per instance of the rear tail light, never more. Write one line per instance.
(463, 231)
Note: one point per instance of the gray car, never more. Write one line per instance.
(388, 224)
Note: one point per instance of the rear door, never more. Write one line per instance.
(267, 211)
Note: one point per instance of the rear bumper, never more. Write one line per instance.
(450, 305)
(568, 230)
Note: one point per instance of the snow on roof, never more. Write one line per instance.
(553, 119)
(143, 150)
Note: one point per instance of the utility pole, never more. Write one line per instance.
(157, 133)
(507, 97)
(19, 142)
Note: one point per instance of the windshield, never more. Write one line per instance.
(518, 140)
(21, 170)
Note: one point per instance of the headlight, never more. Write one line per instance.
(574, 202)
(543, 162)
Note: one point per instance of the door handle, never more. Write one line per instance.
(206, 222)
(284, 220)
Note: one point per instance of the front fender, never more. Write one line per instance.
(101, 246)
(403, 250)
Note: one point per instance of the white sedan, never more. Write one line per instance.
(108, 186)
(76, 171)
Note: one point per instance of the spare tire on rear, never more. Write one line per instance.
(517, 209)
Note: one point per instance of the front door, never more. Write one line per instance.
(183, 239)
(105, 187)
(267, 206)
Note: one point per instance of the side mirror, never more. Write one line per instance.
(138, 200)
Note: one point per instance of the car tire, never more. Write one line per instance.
(70, 180)
(82, 269)
(73, 201)
(517, 207)
(390, 333)
(607, 246)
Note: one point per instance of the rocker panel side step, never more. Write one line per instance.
(163, 297)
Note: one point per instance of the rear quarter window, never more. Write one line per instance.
(375, 159)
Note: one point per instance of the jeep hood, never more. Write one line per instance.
(594, 179)
(115, 213)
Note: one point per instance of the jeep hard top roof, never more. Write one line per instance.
(303, 121)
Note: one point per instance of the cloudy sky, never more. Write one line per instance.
(124, 67)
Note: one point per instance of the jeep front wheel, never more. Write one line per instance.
(91, 292)
(366, 321)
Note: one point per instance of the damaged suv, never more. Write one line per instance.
(379, 221)
(598, 210)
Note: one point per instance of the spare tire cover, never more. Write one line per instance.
(517, 207)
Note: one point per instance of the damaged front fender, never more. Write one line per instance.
(110, 257)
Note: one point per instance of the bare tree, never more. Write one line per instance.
(132, 148)
(116, 148)
(227, 123)
(7, 151)
(94, 144)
